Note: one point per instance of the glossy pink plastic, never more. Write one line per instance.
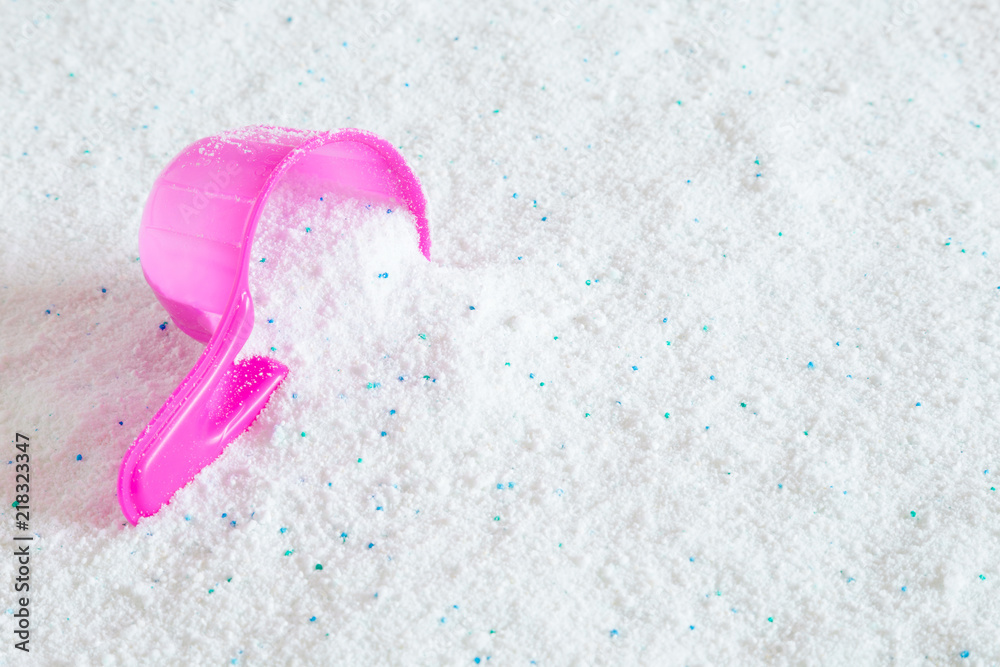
(195, 241)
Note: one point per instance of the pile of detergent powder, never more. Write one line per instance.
(318, 262)
(703, 369)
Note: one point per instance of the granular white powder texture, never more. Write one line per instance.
(703, 368)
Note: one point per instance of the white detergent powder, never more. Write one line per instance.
(703, 369)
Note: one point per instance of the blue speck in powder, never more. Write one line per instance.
(963, 654)
(79, 457)
(811, 365)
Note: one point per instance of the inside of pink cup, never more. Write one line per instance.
(196, 237)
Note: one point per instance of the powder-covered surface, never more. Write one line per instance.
(775, 223)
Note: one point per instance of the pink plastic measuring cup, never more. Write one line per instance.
(195, 240)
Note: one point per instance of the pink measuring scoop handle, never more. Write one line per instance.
(195, 241)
